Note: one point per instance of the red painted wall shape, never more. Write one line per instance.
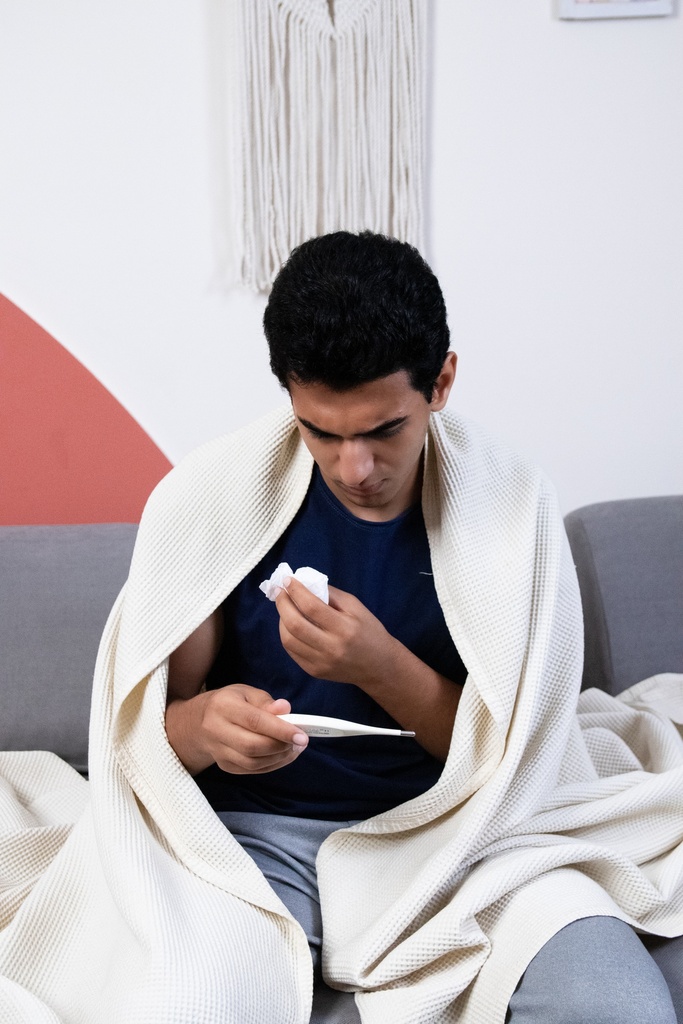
(69, 451)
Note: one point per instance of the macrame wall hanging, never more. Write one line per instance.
(324, 126)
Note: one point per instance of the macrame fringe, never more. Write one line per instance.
(328, 126)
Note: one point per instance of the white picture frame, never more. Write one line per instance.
(584, 9)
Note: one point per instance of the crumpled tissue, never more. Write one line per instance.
(315, 581)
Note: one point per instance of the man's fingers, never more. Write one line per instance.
(234, 768)
(342, 601)
(280, 706)
(255, 713)
(236, 761)
(305, 617)
(310, 606)
(258, 748)
(294, 627)
(315, 610)
(240, 749)
(258, 724)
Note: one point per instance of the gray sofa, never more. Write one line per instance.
(57, 586)
(629, 560)
(58, 583)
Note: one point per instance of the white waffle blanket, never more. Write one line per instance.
(126, 900)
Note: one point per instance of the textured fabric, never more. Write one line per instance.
(388, 568)
(324, 126)
(57, 586)
(629, 560)
(432, 911)
(594, 971)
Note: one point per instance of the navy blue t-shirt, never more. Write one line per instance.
(387, 566)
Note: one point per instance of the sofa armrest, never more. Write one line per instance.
(629, 561)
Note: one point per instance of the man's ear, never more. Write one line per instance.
(444, 382)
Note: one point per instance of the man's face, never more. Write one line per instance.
(368, 441)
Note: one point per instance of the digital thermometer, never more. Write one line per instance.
(320, 725)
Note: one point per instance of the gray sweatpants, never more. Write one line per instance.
(594, 971)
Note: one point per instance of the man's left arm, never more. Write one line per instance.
(346, 643)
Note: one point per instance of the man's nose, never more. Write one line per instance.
(355, 463)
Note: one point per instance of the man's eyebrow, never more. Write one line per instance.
(382, 428)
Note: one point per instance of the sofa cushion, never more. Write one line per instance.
(57, 586)
(629, 560)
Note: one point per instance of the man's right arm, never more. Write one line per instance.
(235, 726)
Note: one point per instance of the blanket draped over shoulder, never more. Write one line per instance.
(126, 900)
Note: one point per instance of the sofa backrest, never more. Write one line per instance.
(57, 587)
(629, 560)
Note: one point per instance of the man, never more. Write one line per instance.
(358, 338)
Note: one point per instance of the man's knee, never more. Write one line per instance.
(576, 1004)
(594, 971)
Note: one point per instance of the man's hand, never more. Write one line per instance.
(346, 643)
(342, 641)
(237, 728)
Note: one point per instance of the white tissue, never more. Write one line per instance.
(315, 581)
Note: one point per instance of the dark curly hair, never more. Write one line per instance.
(347, 309)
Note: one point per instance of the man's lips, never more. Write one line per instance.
(364, 491)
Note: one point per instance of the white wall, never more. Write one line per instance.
(555, 170)
(557, 204)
